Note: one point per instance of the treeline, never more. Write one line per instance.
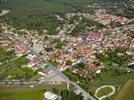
(70, 95)
(117, 57)
(48, 22)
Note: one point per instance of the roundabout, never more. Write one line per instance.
(109, 91)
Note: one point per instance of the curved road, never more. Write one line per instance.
(105, 96)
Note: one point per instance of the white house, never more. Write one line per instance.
(50, 96)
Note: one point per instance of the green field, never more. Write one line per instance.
(111, 77)
(24, 92)
(127, 91)
(32, 95)
(104, 91)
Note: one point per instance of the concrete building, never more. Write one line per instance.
(50, 96)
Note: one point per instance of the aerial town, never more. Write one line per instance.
(90, 56)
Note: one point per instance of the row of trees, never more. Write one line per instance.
(23, 73)
(67, 94)
(70, 95)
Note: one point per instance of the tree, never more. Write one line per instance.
(70, 95)
(68, 62)
(28, 72)
(117, 57)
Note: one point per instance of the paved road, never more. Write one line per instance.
(79, 61)
(58, 72)
(18, 82)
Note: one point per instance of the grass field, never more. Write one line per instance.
(111, 78)
(26, 95)
(24, 92)
(127, 91)
(108, 77)
(104, 91)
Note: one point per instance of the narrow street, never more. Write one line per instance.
(87, 96)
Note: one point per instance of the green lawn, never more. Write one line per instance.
(24, 92)
(26, 95)
(18, 93)
(127, 91)
(104, 91)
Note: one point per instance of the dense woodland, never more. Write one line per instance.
(118, 7)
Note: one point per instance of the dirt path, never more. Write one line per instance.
(105, 96)
(4, 12)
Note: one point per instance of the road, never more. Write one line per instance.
(17, 82)
(57, 71)
(81, 60)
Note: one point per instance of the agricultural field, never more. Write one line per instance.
(127, 91)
